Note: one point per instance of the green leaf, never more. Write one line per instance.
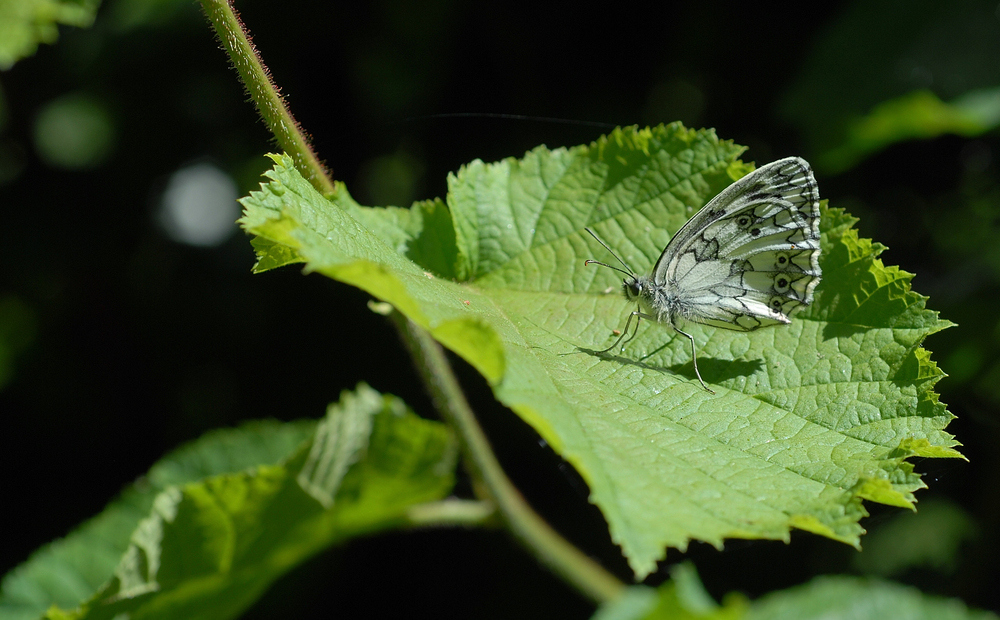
(68, 571)
(859, 599)
(208, 548)
(635, 603)
(933, 538)
(888, 71)
(809, 418)
(683, 597)
(26, 23)
(17, 331)
(918, 114)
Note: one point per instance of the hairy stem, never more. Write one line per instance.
(265, 93)
(554, 551)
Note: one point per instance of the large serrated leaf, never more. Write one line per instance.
(809, 418)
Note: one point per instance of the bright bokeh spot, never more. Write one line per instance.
(199, 206)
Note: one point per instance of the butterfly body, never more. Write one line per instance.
(748, 259)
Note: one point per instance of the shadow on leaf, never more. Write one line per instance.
(713, 369)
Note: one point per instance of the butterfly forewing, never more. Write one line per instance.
(750, 257)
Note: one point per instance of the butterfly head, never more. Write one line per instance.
(633, 287)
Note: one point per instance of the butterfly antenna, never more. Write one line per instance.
(627, 271)
(597, 262)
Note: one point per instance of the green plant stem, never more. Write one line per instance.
(554, 551)
(265, 93)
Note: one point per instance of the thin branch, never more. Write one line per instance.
(551, 549)
(265, 93)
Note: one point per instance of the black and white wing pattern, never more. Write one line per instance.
(747, 259)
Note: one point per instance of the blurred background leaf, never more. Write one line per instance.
(24, 24)
(825, 597)
(17, 331)
(68, 571)
(888, 71)
(861, 599)
(220, 519)
(931, 538)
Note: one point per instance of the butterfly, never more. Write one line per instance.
(748, 259)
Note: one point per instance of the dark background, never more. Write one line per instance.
(134, 343)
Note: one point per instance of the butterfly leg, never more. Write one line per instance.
(694, 358)
(636, 315)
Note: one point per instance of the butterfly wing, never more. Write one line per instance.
(750, 257)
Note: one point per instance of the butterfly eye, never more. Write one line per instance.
(781, 284)
(781, 259)
(743, 221)
(632, 289)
